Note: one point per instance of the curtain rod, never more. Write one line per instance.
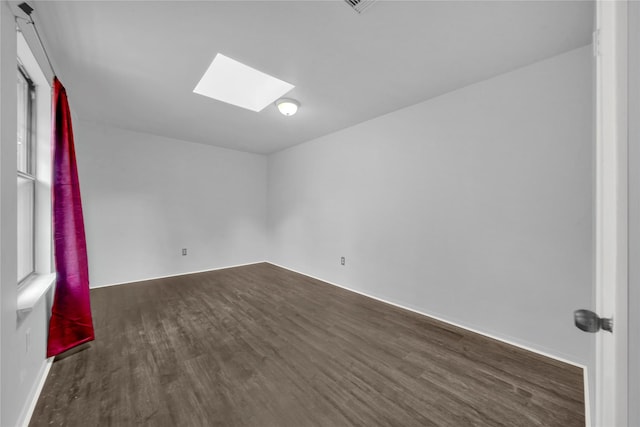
(28, 10)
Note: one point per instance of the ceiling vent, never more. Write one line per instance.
(360, 5)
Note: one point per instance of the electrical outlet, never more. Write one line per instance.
(184, 251)
(342, 260)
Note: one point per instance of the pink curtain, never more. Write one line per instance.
(71, 323)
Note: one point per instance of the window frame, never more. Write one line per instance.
(31, 166)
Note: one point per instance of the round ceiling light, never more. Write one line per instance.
(287, 106)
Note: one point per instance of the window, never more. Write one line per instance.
(34, 246)
(26, 176)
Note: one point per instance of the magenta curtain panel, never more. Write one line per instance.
(71, 323)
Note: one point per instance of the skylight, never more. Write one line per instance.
(230, 81)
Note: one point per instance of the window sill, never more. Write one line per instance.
(30, 293)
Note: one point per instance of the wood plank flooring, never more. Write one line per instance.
(262, 346)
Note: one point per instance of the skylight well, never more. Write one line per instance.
(230, 81)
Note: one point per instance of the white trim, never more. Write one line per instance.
(458, 325)
(27, 411)
(634, 212)
(587, 399)
(43, 238)
(587, 406)
(177, 274)
(611, 268)
(506, 341)
(30, 292)
(486, 334)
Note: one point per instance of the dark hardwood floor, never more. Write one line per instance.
(262, 346)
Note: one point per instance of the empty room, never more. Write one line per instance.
(319, 213)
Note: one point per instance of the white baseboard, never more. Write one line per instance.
(587, 405)
(465, 327)
(27, 412)
(176, 275)
(587, 399)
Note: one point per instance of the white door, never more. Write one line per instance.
(611, 403)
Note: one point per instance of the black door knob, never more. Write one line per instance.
(588, 321)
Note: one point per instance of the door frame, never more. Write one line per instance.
(634, 211)
(611, 219)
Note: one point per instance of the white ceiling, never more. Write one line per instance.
(134, 64)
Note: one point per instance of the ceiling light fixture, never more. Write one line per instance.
(287, 106)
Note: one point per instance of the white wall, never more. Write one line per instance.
(146, 197)
(8, 260)
(475, 207)
(21, 366)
